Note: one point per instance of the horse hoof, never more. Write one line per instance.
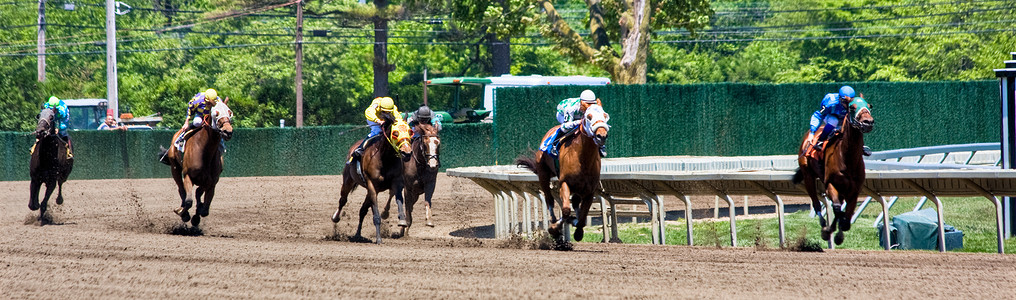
(384, 214)
(839, 238)
(59, 200)
(187, 204)
(335, 217)
(196, 221)
(554, 231)
(844, 226)
(184, 214)
(826, 234)
(579, 233)
(33, 206)
(430, 224)
(403, 223)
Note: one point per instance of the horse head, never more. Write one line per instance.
(222, 120)
(398, 134)
(594, 123)
(860, 115)
(429, 146)
(45, 126)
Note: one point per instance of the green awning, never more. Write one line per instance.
(458, 81)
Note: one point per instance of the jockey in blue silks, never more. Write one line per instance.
(60, 120)
(829, 118)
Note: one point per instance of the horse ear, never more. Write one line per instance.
(225, 100)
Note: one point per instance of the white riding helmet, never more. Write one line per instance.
(588, 96)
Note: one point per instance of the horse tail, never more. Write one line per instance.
(798, 176)
(162, 155)
(529, 162)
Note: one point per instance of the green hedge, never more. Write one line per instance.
(251, 152)
(750, 119)
(646, 120)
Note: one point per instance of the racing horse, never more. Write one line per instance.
(48, 164)
(200, 163)
(419, 175)
(377, 170)
(577, 170)
(841, 171)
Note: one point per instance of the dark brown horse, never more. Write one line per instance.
(579, 172)
(378, 169)
(49, 163)
(841, 172)
(419, 175)
(201, 163)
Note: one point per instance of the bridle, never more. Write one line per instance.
(424, 154)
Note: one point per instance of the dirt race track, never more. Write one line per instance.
(265, 238)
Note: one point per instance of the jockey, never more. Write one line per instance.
(828, 119)
(199, 106)
(61, 120)
(424, 115)
(569, 114)
(378, 108)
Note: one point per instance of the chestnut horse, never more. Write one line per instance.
(841, 172)
(201, 163)
(579, 172)
(377, 170)
(49, 163)
(419, 175)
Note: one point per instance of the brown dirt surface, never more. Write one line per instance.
(270, 237)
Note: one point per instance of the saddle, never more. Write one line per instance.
(553, 142)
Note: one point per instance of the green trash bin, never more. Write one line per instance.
(919, 230)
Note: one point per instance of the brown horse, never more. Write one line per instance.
(841, 172)
(201, 163)
(579, 172)
(419, 175)
(377, 170)
(49, 163)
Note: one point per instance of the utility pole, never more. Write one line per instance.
(111, 89)
(425, 86)
(42, 41)
(299, 64)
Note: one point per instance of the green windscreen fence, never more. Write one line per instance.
(251, 152)
(703, 119)
(750, 119)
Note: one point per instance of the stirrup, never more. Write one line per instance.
(866, 150)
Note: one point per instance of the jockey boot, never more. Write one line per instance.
(32, 151)
(866, 150)
(70, 150)
(359, 150)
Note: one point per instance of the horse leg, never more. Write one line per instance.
(209, 194)
(372, 198)
(59, 192)
(50, 186)
(363, 213)
(585, 204)
(816, 205)
(837, 208)
(187, 199)
(557, 227)
(347, 186)
(33, 201)
(388, 206)
(428, 193)
(400, 200)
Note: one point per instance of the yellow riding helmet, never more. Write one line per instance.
(53, 101)
(387, 104)
(210, 94)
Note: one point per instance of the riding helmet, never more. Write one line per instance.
(424, 112)
(211, 94)
(588, 96)
(54, 101)
(387, 104)
(846, 91)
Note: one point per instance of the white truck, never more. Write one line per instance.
(490, 86)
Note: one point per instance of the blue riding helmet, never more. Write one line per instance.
(846, 91)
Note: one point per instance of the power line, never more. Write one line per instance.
(767, 10)
(863, 20)
(832, 37)
(670, 33)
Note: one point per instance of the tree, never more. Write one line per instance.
(629, 22)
